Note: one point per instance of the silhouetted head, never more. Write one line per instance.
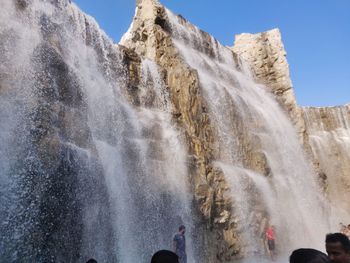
(338, 248)
(308, 255)
(165, 256)
(182, 229)
(91, 260)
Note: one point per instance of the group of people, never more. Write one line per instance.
(178, 255)
(337, 246)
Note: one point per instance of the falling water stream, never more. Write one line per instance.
(239, 107)
(329, 144)
(85, 172)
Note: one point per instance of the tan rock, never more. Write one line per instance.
(190, 114)
(266, 57)
(324, 132)
(149, 37)
(328, 130)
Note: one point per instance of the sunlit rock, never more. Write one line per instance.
(105, 149)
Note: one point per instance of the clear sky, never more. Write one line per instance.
(315, 33)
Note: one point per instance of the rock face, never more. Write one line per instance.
(149, 37)
(124, 142)
(189, 60)
(324, 131)
(51, 169)
(266, 56)
(328, 131)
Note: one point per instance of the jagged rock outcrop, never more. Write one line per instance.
(266, 57)
(149, 36)
(324, 130)
(265, 54)
(152, 36)
(108, 136)
(328, 130)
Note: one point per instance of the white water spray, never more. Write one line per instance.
(112, 182)
(240, 107)
(330, 141)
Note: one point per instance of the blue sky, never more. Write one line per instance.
(315, 33)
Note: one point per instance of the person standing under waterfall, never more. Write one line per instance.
(179, 244)
(270, 238)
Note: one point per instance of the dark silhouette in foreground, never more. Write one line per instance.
(338, 248)
(91, 260)
(308, 255)
(165, 256)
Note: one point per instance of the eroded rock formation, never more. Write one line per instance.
(324, 130)
(149, 36)
(328, 131)
(266, 56)
(123, 142)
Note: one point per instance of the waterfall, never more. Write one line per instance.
(329, 133)
(245, 114)
(94, 162)
(84, 172)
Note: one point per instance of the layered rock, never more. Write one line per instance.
(155, 35)
(266, 56)
(328, 129)
(85, 98)
(324, 130)
(149, 36)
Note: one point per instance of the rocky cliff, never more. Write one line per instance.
(267, 59)
(324, 131)
(149, 36)
(173, 43)
(124, 142)
(53, 197)
(328, 131)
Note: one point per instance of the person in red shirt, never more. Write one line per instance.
(270, 238)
